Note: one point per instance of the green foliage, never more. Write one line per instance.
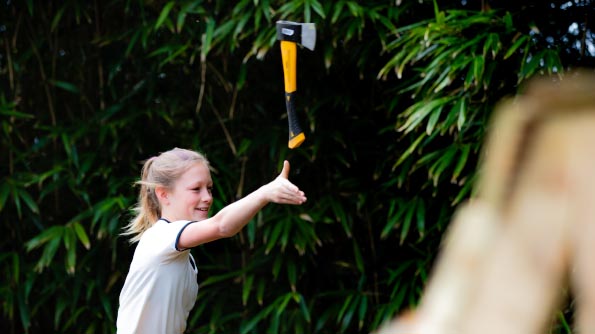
(463, 57)
(88, 90)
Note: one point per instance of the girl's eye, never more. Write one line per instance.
(209, 189)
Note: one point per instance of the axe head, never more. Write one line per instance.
(301, 33)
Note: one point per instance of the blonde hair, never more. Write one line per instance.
(162, 170)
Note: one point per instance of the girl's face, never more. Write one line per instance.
(191, 197)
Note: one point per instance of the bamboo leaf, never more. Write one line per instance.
(307, 12)
(246, 289)
(260, 291)
(304, 308)
(219, 278)
(441, 164)
(181, 20)
(359, 260)
(240, 25)
(175, 54)
(397, 300)
(464, 192)
(408, 219)
(508, 22)
(69, 239)
(553, 62)
(433, 120)
(355, 9)
(253, 322)
(60, 307)
(4, 192)
(54, 232)
(283, 304)
(518, 43)
(292, 274)
(132, 43)
(164, 13)
(317, 7)
(419, 111)
(444, 81)
(493, 45)
(24, 312)
(49, 252)
(469, 78)
(31, 204)
(57, 18)
(81, 234)
(13, 113)
(277, 266)
(460, 109)
(207, 38)
(363, 308)
(16, 268)
(67, 86)
(344, 308)
(348, 316)
(391, 221)
(478, 69)
(107, 305)
(532, 65)
(337, 11)
(409, 150)
(341, 217)
(17, 201)
(285, 235)
(461, 163)
(272, 242)
(421, 218)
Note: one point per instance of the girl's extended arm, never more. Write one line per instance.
(232, 218)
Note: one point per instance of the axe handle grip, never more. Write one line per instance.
(289, 55)
(296, 135)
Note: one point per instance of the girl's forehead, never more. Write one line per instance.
(196, 172)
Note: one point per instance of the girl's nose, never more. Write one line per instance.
(207, 196)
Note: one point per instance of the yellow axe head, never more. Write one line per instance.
(290, 34)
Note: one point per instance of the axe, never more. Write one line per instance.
(290, 34)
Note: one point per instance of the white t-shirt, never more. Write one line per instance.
(160, 288)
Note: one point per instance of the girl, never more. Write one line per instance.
(172, 217)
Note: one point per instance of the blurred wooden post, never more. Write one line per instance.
(510, 252)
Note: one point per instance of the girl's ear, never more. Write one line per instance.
(162, 195)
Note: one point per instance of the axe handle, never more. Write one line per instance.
(289, 55)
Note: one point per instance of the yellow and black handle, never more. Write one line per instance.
(289, 55)
(291, 34)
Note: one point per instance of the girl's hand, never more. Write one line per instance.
(282, 191)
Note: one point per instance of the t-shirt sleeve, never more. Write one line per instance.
(177, 239)
(164, 240)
